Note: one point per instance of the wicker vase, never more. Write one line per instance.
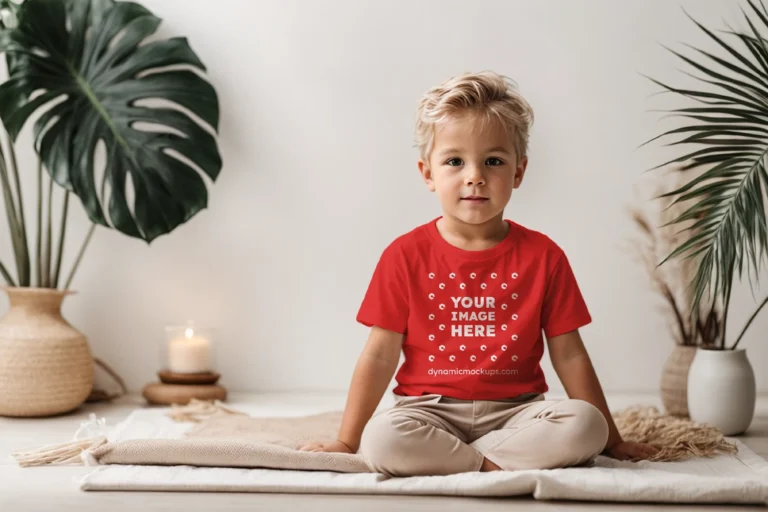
(46, 366)
(674, 380)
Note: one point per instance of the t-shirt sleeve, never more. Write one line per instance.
(564, 308)
(385, 303)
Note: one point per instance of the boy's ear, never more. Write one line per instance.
(426, 174)
(520, 171)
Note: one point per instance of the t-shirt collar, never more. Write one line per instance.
(484, 254)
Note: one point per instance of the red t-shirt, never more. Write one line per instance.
(473, 320)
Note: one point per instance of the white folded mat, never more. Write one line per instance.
(742, 478)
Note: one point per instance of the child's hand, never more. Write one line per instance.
(333, 446)
(630, 450)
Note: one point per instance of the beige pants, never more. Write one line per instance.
(436, 435)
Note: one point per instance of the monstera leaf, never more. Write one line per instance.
(84, 66)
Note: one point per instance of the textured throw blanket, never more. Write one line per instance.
(236, 440)
(224, 437)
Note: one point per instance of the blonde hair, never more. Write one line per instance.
(488, 94)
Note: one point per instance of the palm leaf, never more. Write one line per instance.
(727, 139)
(89, 73)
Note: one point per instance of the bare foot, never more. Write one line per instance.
(489, 466)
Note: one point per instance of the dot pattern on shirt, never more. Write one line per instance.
(445, 286)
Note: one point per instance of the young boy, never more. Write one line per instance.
(466, 297)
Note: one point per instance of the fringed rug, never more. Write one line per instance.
(218, 448)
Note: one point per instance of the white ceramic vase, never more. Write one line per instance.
(721, 390)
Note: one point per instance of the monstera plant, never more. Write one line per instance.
(123, 121)
(87, 74)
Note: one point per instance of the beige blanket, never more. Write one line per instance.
(227, 438)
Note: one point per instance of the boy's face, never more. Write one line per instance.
(473, 171)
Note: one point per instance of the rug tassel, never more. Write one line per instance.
(62, 453)
(677, 438)
(90, 435)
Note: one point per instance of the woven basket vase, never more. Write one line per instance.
(674, 380)
(46, 367)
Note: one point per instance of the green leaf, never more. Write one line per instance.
(744, 67)
(761, 16)
(719, 188)
(707, 140)
(693, 242)
(740, 114)
(738, 88)
(726, 202)
(701, 95)
(90, 56)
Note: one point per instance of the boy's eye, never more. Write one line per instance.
(493, 161)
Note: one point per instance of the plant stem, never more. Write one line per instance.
(749, 322)
(673, 303)
(48, 239)
(727, 300)
(712, 315)
(6, 275)
(24, 249)
(10, 210)
(80, 256)
(39, 248)
(62, 232)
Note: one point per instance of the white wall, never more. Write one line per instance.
(318, 101)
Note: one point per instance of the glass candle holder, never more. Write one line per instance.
(189, 349)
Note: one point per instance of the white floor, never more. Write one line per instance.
(53, 488)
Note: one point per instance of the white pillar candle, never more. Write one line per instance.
(190, 354)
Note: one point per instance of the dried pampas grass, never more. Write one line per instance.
(655, 240)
